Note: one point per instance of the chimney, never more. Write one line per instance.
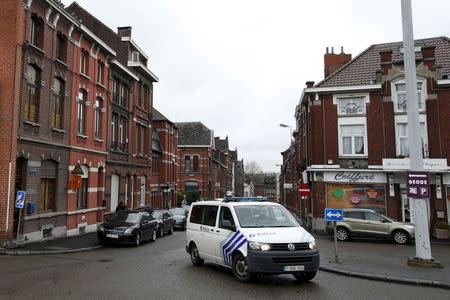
(386, 61)
(429, 59)
(309, 84)
(333, 61)
(124, 31)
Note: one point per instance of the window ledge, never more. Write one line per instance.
(353, 156)
(37, 48)
(82, 136)
(45, 215)
(101, 85)
(62, 63)
(34, 124)
(99, 140)
(58, 130)
(85, 76)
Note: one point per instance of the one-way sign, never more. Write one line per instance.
(334, 214)
(417, 185)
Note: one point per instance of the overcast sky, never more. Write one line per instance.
(239, 66)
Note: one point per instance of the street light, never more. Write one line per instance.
(284, 189)
(285, 126)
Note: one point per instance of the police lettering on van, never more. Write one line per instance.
(250, 236)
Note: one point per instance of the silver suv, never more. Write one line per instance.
(368, 223)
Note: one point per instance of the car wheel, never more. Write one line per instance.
(304, 276)
(240, 268)
(153, 237)
(137, 240)
(342, 234)
(400, 237)
(195, 257)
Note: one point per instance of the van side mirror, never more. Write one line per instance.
(226, 224)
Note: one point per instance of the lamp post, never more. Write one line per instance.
(284, 189)
(286, 126)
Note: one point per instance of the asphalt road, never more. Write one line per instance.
(162, 270)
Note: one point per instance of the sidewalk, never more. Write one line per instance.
(73, 244)
(384, 261)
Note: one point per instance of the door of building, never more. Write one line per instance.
(114, 191)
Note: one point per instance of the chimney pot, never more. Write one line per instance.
(327, 51)
(342, 49)
(309, 84)
(332, 50)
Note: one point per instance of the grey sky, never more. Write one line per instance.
(239, 66)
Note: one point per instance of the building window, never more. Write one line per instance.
(190, 185)
(84, 57)
(123, 93)
(399, 95)
(31, 93)
(100, 70)
(140, 139)
(187, 161)
(402, 139)
(82, 193)
(115, 97)
(81, 116)
(58, 103)
(351, 105)
(146, 92)
(352, 139)
(98, 118)
(37, 29)
(114, 130)
(122, 134)
(61, 47)
(196, 163)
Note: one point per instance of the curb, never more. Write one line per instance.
(50, 252)
(404, 280)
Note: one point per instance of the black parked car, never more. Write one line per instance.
(128, 227)
(165, 221)
(180, 216)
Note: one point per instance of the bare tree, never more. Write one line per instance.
(252, 168)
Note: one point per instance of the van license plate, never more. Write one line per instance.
(294, 268)
(114, 236)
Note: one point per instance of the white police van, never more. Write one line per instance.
(250, 236)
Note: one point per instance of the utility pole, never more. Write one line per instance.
(422, 235)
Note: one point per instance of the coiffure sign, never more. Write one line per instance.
(354, 177)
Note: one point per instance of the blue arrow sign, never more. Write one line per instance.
(334, 214)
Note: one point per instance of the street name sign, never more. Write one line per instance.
(20, 199)
(418, 185)
(334, 214)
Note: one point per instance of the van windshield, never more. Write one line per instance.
(254, 216)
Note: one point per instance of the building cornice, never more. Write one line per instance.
(124, 69)
(129, 39)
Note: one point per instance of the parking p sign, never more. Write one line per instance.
(418, 185)
(20, 199)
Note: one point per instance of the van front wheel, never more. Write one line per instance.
(240, 268)
(195, 257)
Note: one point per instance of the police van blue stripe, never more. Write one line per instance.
(234, 243)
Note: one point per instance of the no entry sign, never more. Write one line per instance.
(304, 190)
(417, 185)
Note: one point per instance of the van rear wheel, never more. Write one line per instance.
(195, 257)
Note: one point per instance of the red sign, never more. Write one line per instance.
(304, 190)
(75, 182)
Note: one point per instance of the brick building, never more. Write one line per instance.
(165, 160)
(352, 135)
(13, 35)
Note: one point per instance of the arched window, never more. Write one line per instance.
(82, 193)
(100, 70)
(81, 116)
(36, 32)
(84, 62)
(98, 118)
(196, 163)
(58, 103)
(191, 185)
(31, 93)
(187, 161)
(61, 47)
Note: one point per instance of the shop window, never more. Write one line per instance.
(58, 103)
(31, 93)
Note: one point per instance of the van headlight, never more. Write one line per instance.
(312, 245)
(259, 246)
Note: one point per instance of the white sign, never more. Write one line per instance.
(429, 164)
(288, 186)
(355, 177)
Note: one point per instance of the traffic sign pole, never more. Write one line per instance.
(336, 259)
(423, 248)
